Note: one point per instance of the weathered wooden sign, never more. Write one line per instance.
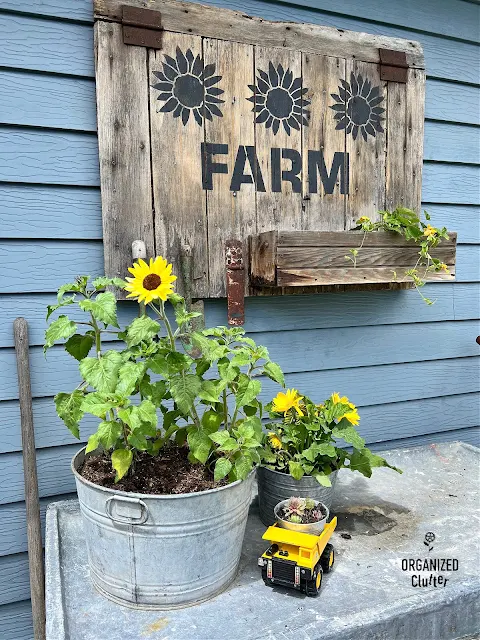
(214, 125)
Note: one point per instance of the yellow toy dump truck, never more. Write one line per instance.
(297, 560)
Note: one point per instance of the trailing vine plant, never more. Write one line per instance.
(408, 224)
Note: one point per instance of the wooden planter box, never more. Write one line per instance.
(313, 258)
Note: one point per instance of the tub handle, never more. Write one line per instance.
(141, 519)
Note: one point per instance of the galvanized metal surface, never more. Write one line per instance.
(314, 527)
(273, 487)
(367, 596)
(157, 552)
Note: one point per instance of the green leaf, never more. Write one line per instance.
(60, 329)
(97, 404)
(72, 287)
(242, 357)
(256, 424)
(103, 307)
(93, 443)
(121, 461)
(146, 412)
(295, 469)
(273, 371)
(138, 441)
(359, 461)
(222, 468)
(322, 479)
(199, 444)
(228, 370)
(210, 390)
(109, 433)
(204, 344)
(243, 466)
(143, 328)
(102, 282)
(102, 373)
(319, 449)
(129, 375)
(247, 390)
(69, 409)
(184, 390)
(211, 420)
(229, 445)
(347, 432)
(245, 431)
(158, 364)
(79, 346)
(53, 307)
(220, 437)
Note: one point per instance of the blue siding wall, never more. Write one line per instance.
(413, 370)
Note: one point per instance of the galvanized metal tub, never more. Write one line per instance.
(314, 528)
(162, 551)
(273, 487)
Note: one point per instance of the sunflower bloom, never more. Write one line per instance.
(429, 231)
(288, 400)
(150, 281)
(336, 399)
(363, 219)
(274, 440)
(352, 417)
(443, 267)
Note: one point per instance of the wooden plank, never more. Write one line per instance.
(396, 131)
(445, 142)
(278, 140)
(323, 208)
(367, 156)
(35, 156)
(60, 372)
(35, 44)
(350, 239)
(450, 184)
(208, 21)
(28, 211)
(414, 135)
(230, 204)
(315, 258)
(263, 256)
(352, 275)
(124, 148)
(16, 621)
(44, 265)
(179, 199)
(60, 102)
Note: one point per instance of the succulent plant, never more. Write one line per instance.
(302, 510)
(296, 519)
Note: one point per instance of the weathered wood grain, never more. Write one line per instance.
(231, 212)
(179, 199)
(124, 148)
(279, 209)
(350, 239)
(233, 25)
(367, 157)
(353, 275)
(316, 258)
(414, 135)
(263, 257)
(323, 210)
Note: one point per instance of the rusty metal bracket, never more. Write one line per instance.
(235, 274)
(393, 65)
(142, 27)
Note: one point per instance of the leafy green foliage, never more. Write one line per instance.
(305, 440)
(210, 401)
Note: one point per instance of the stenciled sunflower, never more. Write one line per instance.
(283, 402)
(274, 440)
(150, 281)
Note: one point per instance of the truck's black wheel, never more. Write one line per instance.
(327, 558)
(312, 587)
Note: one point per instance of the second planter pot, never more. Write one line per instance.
(273, 487)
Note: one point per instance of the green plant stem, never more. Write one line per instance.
(225, 409)
(98, 338)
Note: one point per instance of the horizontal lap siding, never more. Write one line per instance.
(412, 369)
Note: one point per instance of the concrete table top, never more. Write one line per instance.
(371, 594)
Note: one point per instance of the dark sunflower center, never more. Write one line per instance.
(151, 282)
(358, 110)
(189, 91)
(279, 102)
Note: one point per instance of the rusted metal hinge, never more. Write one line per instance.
(142, 27)
(393, 65)
(235, 272)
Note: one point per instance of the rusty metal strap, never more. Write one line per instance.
(235, 273)
(393, 65)
(142, 27)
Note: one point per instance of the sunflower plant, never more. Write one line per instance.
(303, 438)
(146, 390)
(408, 224)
